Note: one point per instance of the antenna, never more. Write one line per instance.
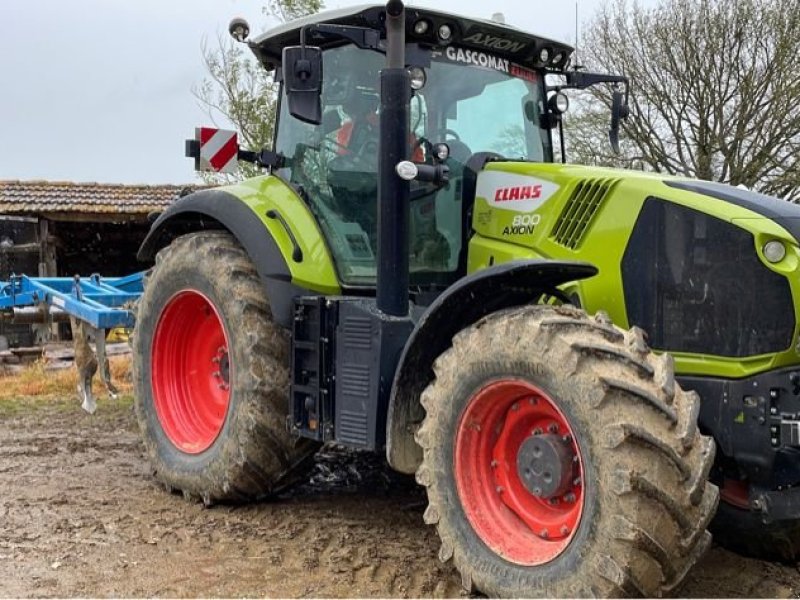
(577, 35)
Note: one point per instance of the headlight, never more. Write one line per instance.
(559, 103)
(445, 34)
(544, 55)
(418, 77)
(421, 27)
(774, 251)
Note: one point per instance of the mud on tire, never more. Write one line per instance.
(646, 498)
(251, 454)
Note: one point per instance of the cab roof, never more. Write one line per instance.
(478, 34)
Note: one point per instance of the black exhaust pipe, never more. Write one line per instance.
(393, 191)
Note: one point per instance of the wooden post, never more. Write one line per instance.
(47, 262)
(47, 250)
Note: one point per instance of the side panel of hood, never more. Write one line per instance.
(786, 214)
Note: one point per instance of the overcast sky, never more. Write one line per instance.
(100, 90)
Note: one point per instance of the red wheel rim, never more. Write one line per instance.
(191, 371)
(735, 493)
(496, 432)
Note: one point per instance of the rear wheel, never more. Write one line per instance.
(560, 459)
(211, 375)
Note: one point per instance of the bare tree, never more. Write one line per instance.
(238, 91)
(715, 91)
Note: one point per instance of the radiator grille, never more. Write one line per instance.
(575, 220)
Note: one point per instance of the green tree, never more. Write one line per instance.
(238, 92)
(715, 91)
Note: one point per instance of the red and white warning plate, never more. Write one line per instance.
(219, 150)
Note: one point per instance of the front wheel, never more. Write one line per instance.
(211, 375)
(561, 459)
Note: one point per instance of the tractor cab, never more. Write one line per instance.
(477, 91)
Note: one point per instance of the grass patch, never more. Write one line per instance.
(36, 383)
(66, 405)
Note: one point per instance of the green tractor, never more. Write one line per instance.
(417, 275)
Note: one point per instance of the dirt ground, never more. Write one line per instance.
(80, 516)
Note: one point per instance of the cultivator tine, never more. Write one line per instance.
(102, 359)
(85, 362)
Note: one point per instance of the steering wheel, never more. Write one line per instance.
(446, 131)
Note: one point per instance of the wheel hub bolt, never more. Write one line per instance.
(545, 534)
(567, 439)
(515, 406)
(569, 497)
(564, 530)
(533, 401)
(493, 464)
(552, 428)
(500, 489)
(553, 501)
(576, 481)
(537, 431)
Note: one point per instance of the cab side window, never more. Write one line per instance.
(335, 163)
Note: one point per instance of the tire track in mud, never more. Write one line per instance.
(81, 516)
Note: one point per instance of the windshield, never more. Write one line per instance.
(473, 101)
(492, 105)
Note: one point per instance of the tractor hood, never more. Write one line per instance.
(784, 213)
(518, 202)
(704, 248)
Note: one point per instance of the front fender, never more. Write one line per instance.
(510, 284)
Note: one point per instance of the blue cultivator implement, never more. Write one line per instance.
(93, 305)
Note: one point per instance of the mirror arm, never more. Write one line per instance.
(265, 158)
(580, 80)
(363, 37)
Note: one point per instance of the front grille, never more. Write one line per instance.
(695, 284)
(574, 221)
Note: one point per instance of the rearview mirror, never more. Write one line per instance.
(619, 111)
(302, 80)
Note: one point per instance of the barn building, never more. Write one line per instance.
(61, 229)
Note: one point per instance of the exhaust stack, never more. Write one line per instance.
(393, 191)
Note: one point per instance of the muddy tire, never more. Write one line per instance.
(627, 502)
(211, 375)
(742, 531)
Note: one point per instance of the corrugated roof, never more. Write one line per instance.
(30, 197)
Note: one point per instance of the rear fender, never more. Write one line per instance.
(271, 223)
(511, 284)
